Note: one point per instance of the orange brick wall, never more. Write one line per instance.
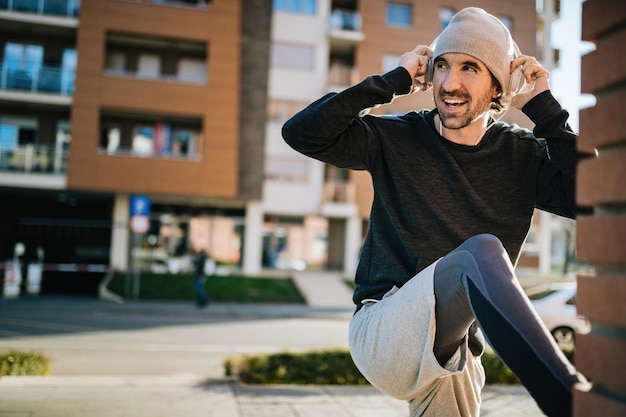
(600, 355)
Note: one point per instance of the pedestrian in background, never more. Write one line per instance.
(200, 276)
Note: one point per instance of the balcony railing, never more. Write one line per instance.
(345, 20)
(66, 8)
(34, 158)
(340, 75)
(47, 79)
(339, 192)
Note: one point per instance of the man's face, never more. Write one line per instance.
(462, 89)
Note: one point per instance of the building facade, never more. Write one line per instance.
(182, 101)
(106, 99)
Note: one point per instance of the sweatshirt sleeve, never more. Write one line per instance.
(556, 183)
(332, 130)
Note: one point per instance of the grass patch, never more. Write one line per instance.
(23, 363)
(231, 288)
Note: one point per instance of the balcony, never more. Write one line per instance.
(156, 58)
(342, 76)
(63, 8)
(34, 159)
(46, 79)
(338, 199)
(345, 26)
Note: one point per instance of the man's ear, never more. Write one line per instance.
(497, 92)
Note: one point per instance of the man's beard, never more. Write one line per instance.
(474, 109)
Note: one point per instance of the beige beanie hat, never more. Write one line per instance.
(475, 32)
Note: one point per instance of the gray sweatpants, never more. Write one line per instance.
(391, 342)
(413, 344)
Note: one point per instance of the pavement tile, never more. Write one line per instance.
(317, 410)
(267, 410)
(278, 394)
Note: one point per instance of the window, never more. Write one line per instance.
(8, 137)
(445, 15)
(295, 6)
(23, 56)
(18, 131)
(156, 58)
(399, 15)
(68, 71)
(16, 135)
(507, 21)
(292, 56)
(143, 140)
(23, 62)
(191, 70)
(145, 135)
(149, 66)
(110, 140)
(286, 169)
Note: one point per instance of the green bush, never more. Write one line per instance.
(332, 367)
(496, 372)
(328, 367)
(23, 363)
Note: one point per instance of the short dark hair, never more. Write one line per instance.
(498, 105)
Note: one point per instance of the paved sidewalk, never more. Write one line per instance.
(176, 396)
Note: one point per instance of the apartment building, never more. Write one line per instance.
(107, 99)
(182, 101)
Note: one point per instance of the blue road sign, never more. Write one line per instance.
(140, 205)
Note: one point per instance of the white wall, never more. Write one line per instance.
(299, 86)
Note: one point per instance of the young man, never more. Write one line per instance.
(454, 194)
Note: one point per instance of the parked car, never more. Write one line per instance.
(556, 305)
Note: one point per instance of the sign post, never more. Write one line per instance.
(140, 207)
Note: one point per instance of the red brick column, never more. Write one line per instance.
(601, 238)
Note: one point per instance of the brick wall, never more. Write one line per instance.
(601, 238)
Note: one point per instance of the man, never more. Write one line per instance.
(200, 262)
(454, 194)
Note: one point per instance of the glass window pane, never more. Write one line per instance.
(143, 140)
(149, 66)
(508, 22)
(295, 6)
(399, 15)
(13, 55)
(8, 137)
(445, 15)
(34, 56)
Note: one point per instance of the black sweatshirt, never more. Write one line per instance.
(431, 194)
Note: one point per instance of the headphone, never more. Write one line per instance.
(516, 82)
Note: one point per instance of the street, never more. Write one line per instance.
(91, 337)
